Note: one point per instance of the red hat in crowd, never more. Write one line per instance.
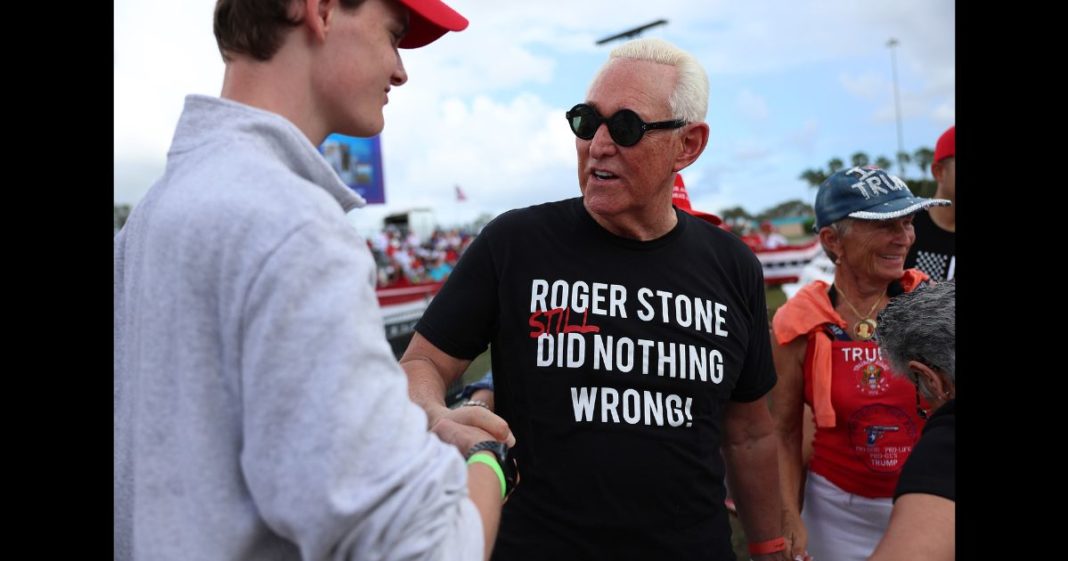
(428, 20)
(681, 199)
(946, 146)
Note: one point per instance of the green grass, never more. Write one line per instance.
(477, 369)
(738, 542)
(775, 297)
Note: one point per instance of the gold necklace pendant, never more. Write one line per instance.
(865, 329)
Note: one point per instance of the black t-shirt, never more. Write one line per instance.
(612, 360)
(933, 252)
(931, 467)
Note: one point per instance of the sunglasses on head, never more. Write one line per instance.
(626, 127)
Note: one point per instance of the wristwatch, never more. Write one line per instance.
(508, 465)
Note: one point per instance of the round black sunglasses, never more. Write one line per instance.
(626, 127)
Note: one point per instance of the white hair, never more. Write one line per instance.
(921, 325)
(689, 100)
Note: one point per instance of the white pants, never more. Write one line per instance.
(842, 526)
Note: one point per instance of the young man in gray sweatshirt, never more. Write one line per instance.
(259, 411)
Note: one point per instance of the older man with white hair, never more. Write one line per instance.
(629, 342)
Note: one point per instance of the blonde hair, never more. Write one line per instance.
(689, 100)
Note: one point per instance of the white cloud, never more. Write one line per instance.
(163, 51)
(503, 155)
(481, 107)
(471, 64)
(945, 113)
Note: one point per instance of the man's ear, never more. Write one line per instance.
(316, 15)
(936, 168)
(925, 374)
(694, 139)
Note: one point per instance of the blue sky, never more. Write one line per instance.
(792, 85)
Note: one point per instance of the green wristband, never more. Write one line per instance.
(490, 460)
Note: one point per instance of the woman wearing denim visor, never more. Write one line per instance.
(826, 355)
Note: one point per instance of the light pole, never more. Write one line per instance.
(897, 106)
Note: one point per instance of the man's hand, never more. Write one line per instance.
(796, 536)
(466, 426)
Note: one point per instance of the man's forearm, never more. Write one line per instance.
(430, 370)
(425, 385)
(753, 471)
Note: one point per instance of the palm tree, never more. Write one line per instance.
(882, 163)
(795, 207)
(835, 165)
(813, 176)
(924, 157)
(735, 216)
(903, 159)
(860, 159)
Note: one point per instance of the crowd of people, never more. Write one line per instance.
(403, 259)
(259, 412)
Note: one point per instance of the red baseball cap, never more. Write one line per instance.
(681, 199)
(428, 20)
(947, 145)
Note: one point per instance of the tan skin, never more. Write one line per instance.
(871, 255)
(333, 73)
(430, 371)
(922, 526)
(627, 190)
(945, 173)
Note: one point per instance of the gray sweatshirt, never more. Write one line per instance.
(259, 411)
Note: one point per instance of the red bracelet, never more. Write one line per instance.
(770, 546)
